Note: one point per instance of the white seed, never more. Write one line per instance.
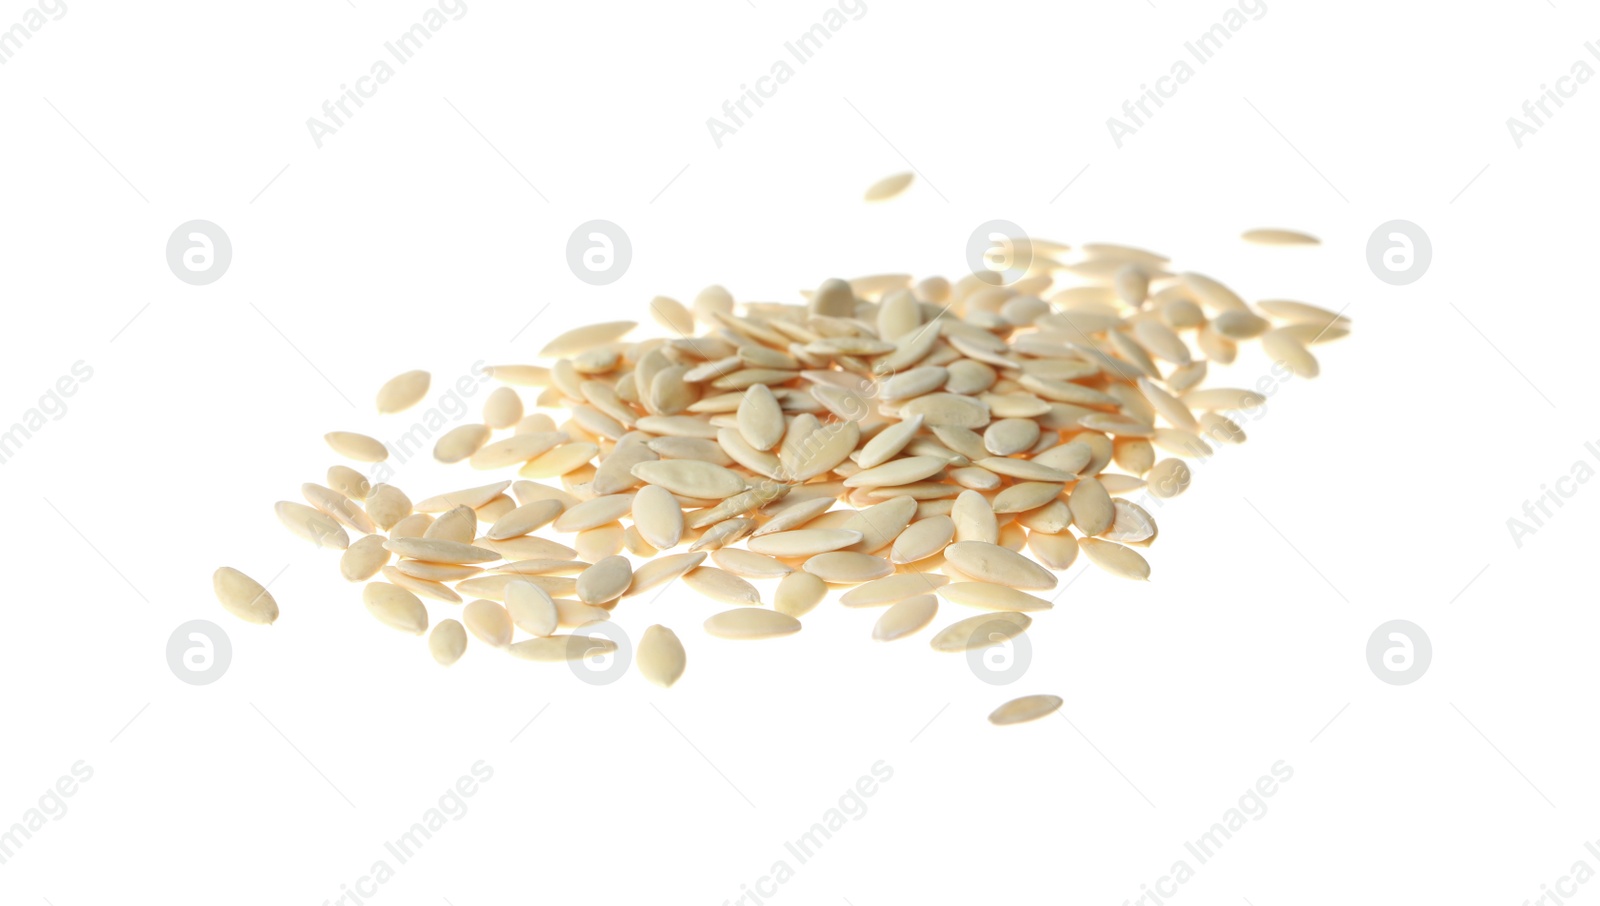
(583, 339)
(888, 187)
(488, 621)
(1281, 346)
(897, 472)
(1090, 506)
(459, 524)
(890, 589)
(1025, 496)
(660, 657)
(1024, 709)
(847, 567)
(524, 519)
(905, 618)
(657, 516)
(440, 551)
(349, 482)
(460, 443)
(760, 418)
(516, 449)
(798, 593)
(1115, 559)
(356, 446)
(336, 505)
(502, 408)
(671, 314)
(974, 518)
(473, 497)
(981, 631)
(313, 525)
(558, 648)
(992, 563)
(427, 588)
(447, 642)
(889, 442)
(402, 391)
(1056, 551)
(531, 608)
(691, 478)
(594, 513)
(436, 572)
(923, 538)
(605, 581)
(749, 564)
(1169, 478)
(395, 607)
(602, 541)
(751, 623)
(990, 596)
(1272, 236)
(363, 558)
(879, 524)
(803, 542)
(720, 585)
(663, 569)
(243, 596)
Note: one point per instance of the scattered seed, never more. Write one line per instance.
(243, 596)
(1024, 709)
(660, 657)
(905, 618)
(888, 187)
(447, 642)
(751, 623)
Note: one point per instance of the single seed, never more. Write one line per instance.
(459, 524)
(1271, 236)
(751, 623)
(663, 569)
(804, 542)
(749, 564)
(313, 525)
(605, 581)
(502, 408)
(905, 618)
(1024, 709)
(980, 631)
(363, 558)
(447, 642)
(583, 339)
(992, 563)
(888, 187)
(660, 657)
(558, 648)
(488, 621)
(243, 596)
(473, 497)
(395, 607)
(760, 418)
(691, 478)
(524, 519)
(356, 446)
(798, 593)
(890, 589)
(1115, 559)
(847, 567)
(723, 586)
(460, 443)
(531, 608)
(1090, 506)
(923, 538)
(990, 596)
(440, 551)
(427, 588)
(1169, 478)
(402, 391)
(594, 513)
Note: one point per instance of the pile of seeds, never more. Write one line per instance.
(905, 442)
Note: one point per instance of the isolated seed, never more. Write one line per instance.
(488, 621)
(605, 581)
(558, 648)
(531, 608)
(720, 585)
(847, 567)
(447, 642)
(403, 391)
(888, 187)
(1114, 558)
(1169, 478)
(313, 525)
(893, 588)
(751, 623)
(660, 657)
(905, 618)
(243, 596)
(1267, 236)
(1026, 708)
(356, 446)
(981, 631)
(583, 339)
(395, 607)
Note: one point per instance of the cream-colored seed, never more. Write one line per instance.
(893, 588)
(660, 658)
(981, 631)
(992, 563)
(363, 558)
(502, 408)
(356, 446)
(905, 618)
(1114, 558)
(721, 585)
(395, 607)
(1026, 708)
(803, 542)
(531, 608)
(605, 581)
(243, 596)
(1169, 478)
(558, 648)
(460, 443)
(447, 642)
(488, 621)
(313, 525)
(847, 567)
(657, 516)
(459, 524)
(798, 593)
(751, 623)
(888, 187)
(403, 391)
(990, 596)
(440, 551)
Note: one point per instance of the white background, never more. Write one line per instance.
(415, 238)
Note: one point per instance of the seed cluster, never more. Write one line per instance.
(907, 442)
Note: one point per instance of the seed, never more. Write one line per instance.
(531, 608)
(349, 482)
(906, 617)
(460, 443)
(583, 339)
(1010, 436)
(1090, 506)
(1024, 496)
(558, 648)
(923, 538)
(990, 596)
(889, 442)
(760, 418)
(488, 621)
(1267, 236)
(1024, 709)
(657, 516)
(1115, 559)
(436, 572)
(993, 563)
(356, 446)
(947, 410)
(313, 525)
(691, 478)
(847, 567)
(544, 566)
(1169, 478)
(459, 524)
(600, 542)
(1056, 551)
(336, 505)
(974, 518)
(447, 642)
(440, 551)
(749, 564)
(880, 524)
(1223, 398)
(798, 594)
(898, 472)
(605, 581)
(1132, 526)
(671, 314)
(594, 513)
(804, 542)
(660, 657)
(890, 589)
(363, 558)
(524, 519)
(528, 547)
(795, 516)
(888, 187)
(1282, 346)
(516, 449)
(981, 631)
(402, 391)
(572, 614)
(663, 569)
(502, 408)
(472, 497)
(395, 607)
(1212, 294)
(751, 623)
(1301, 313)
(1240, 325)
(427, 588)
(243, 596)
(720, 585)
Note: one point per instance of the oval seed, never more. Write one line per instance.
(923, 538)
(440, 551)
(524, 519)
(1026, 708)
(313, 525)
(760, 418)
(395, 607)
(798, 593)
(660, 657)
(531, 608)
(993, 563)
(803, 542)
(691, 478)
(488, 621)
(362, 559)
(583, 339)
(605, 581)
(657, 516)
(557, 648)
(720, 585)
(1090, 506)
(594, 513)
(847, 567)
(990, 596)
(356, 446)
(890, 589)
(980, 631)
(243, 596)
(905, 618)
(750, 564)
(1169, 478)
(502, 408)
(888, 187)
(402, 391)
(1115, 559)
(447, 642)
(751, 623)
(663, 569)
